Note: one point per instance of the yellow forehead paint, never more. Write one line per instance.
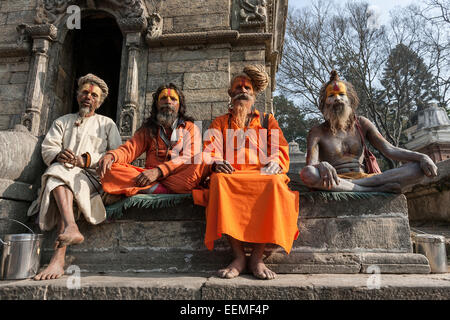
(169, 93)
(336, 88)
(241, 82)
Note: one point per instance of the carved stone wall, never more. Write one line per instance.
(198, 45)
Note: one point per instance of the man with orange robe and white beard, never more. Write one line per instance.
(248, 198)
(335, 151)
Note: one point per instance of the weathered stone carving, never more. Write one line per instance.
(155, 26)
(127, 121)
(128, 25)
(253, 14)
(42, 36)
(50, 11)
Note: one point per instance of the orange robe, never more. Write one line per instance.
(247, 205)
(180, 172)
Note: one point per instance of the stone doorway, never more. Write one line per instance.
(97, 49)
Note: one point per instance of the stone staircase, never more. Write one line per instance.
(336, 236)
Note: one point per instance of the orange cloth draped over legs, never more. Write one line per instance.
(121, 179)
(180, 174)
(247, 205)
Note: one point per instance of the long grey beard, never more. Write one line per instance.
(84, 111)
(338, 116)
(166, 118)
(239, 113)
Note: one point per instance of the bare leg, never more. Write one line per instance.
(311, 177)
(405, 175)
(239, 262)
(71, 234)
(55, 268)
(256, 264)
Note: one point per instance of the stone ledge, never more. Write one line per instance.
(150, 286)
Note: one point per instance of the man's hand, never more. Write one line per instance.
(428, 166)
(223, 167)
(147, 177)
(328, 175)
(104, 164)
(66, 155)
(271, 168)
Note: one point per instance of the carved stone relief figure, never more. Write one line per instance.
(155, 25)
(253, 12)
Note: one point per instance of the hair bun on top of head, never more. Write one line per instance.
(258, 75)
(334, 76)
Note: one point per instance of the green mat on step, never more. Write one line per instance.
(146, 201)
(158, 201)
(343, 196)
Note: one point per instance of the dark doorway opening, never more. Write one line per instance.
(97, 49)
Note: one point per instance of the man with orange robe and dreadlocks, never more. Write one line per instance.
(248, 197)
(171, 141)
(335, 148)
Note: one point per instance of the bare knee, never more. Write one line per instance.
(309, 175)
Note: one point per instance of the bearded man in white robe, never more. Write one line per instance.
(70, 187)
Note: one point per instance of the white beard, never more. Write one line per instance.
(337, 116)
(84, 111)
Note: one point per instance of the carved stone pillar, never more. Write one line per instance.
(42, 36)
(132, 29)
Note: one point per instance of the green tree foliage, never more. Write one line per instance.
(408, 87)
(292, 121)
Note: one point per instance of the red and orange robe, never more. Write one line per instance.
(247, 205)
(180, 171)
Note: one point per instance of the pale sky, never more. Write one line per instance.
(384, 6)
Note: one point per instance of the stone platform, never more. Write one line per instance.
(157, 286)
(343, 237)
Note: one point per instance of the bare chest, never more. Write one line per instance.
(342, 145)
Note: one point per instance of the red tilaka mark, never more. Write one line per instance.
(168, 92)
(91, 87)
(336, 87)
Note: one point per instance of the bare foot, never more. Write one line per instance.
(70, 236)
(55, 269)
(260, 270)
(234, 269)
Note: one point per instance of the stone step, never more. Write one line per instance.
(201, 287)
(335, 237)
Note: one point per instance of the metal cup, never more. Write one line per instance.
(433, 247)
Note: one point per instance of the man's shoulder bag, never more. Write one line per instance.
(370, 160)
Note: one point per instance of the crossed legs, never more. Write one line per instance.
(255, 263)
(393, 180)
(68, 234)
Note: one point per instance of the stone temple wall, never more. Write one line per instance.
(198, 45)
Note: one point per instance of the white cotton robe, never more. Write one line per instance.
(96, 135)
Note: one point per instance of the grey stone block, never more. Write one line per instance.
(314, 205)
(182, 8)
(196, 53)
(354, 234)
(97, 287)
(16, 190)
(206, 80)
(194, 23)
(10, 92)
(199, 111)
(206, 95)
(13, 209)
(5, 122)
(154, 81)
